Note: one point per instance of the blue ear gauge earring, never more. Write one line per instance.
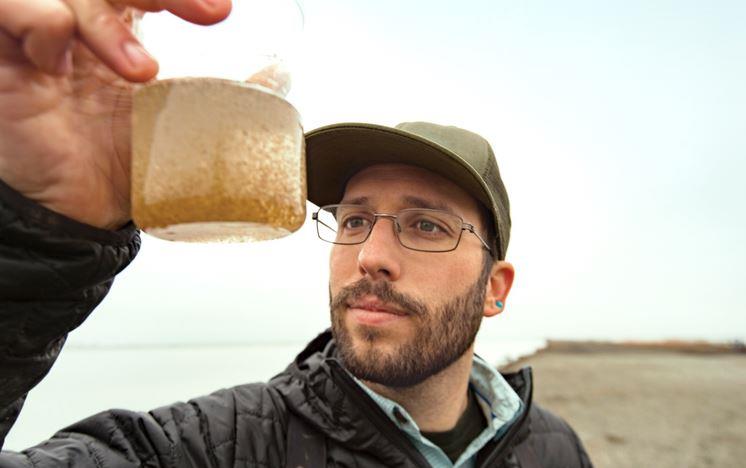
(499, 304)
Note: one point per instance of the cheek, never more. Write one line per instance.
(342, 266)
(450, 279)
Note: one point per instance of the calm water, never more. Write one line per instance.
(88, 380)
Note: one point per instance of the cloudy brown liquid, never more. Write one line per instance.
(216, 160)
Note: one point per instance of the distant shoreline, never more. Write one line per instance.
(175, 346)
(699, 347)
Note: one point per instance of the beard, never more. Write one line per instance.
(443, 334)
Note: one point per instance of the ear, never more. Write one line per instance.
(498, 287)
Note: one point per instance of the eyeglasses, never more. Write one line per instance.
(420, 229)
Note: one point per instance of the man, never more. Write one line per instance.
(419, 220)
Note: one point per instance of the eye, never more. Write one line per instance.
(428, 226)
(355, 222)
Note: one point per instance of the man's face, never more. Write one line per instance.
(399, 315)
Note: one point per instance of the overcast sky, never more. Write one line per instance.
(620, 133)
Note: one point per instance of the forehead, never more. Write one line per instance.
(401, 183)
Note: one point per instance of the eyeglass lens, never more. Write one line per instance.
(419, 229)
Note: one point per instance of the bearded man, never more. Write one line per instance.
(420, 223)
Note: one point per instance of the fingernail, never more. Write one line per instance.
(65, 65)
(136, 55)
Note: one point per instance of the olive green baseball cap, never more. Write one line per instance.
(337, 152)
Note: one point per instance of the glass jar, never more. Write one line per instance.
(217, 149)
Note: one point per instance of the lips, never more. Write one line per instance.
(370, 310)
(373, 304)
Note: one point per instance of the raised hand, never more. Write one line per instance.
(66, 74)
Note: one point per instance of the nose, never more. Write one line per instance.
(380, 254)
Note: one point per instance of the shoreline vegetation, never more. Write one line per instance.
(637, 403)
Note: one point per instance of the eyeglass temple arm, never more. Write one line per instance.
(470, 228)
(315, 217)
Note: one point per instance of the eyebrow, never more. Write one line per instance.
(417, 202)
(411, 201)
(355, 201)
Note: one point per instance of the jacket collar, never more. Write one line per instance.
(317, 389)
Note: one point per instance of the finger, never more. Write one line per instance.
(102, 29)
(195, 11)
(44, 28)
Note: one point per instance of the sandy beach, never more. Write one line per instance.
(648, 405)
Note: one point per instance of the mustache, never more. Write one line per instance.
(381, 289)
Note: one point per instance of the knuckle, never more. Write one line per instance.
(101, 19)
(59, 21)
(94, 15)
(104, 20)
(52, 12)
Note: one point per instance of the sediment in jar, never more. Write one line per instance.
(216, 151)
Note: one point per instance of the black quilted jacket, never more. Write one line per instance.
(53, 273)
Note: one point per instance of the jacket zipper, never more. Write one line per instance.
(376, 416)
(506, 441)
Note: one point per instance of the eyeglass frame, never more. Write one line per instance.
(397, 227)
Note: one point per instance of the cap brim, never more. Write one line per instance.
(336, 152)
